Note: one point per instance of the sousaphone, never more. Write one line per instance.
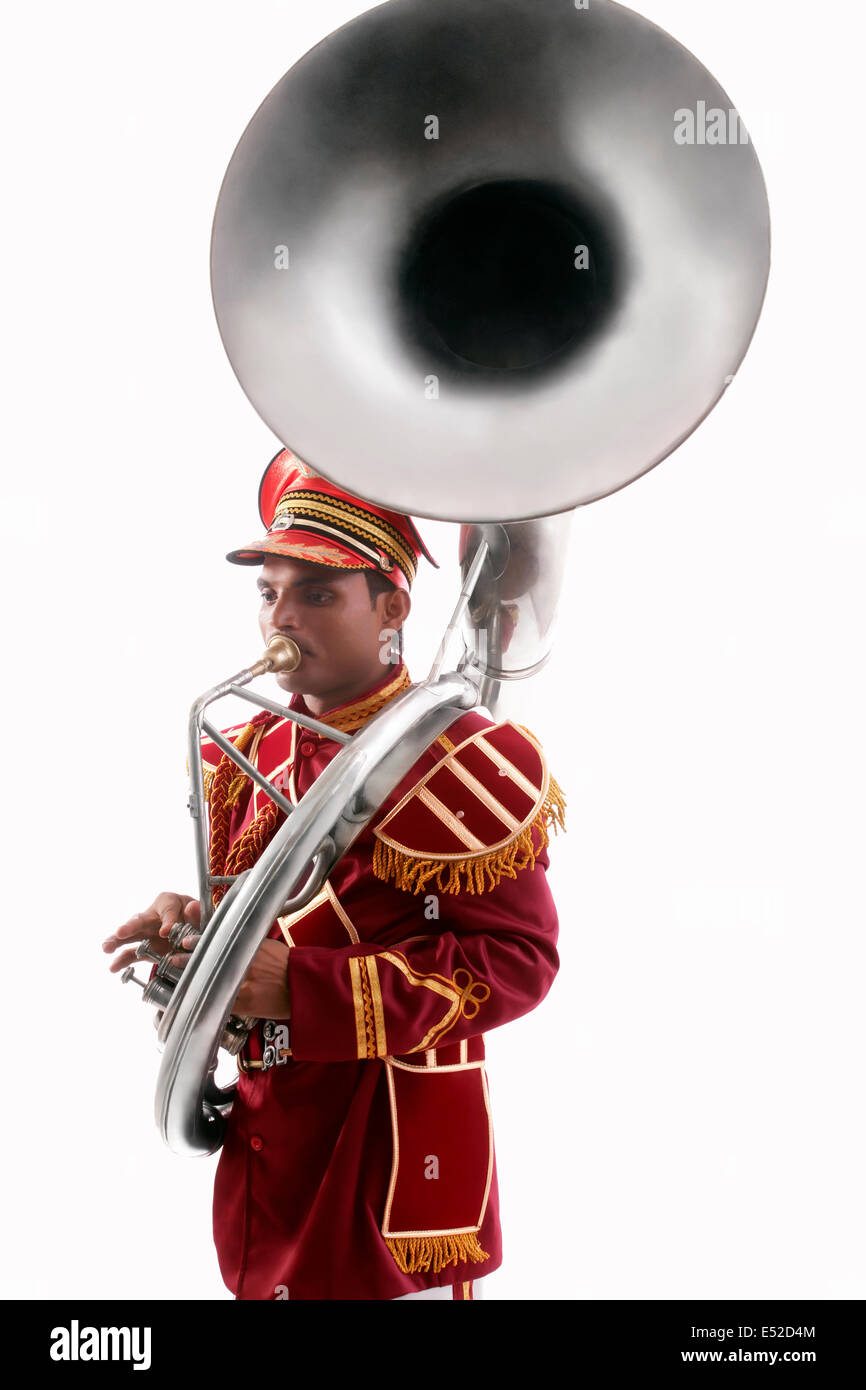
(484, 261)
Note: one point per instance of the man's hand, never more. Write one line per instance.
(265, 991)
(153, 925)
(263, 994)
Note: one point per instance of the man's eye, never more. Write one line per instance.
(318, 597)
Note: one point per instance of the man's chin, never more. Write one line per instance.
(297, 681)
(292, 680)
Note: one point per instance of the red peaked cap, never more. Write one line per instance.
(311, 519)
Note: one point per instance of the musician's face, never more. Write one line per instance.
(334, 622)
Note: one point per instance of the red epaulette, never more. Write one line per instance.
(470, 820)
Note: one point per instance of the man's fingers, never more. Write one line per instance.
(170, 907)
(188, 945)
(129, 957)
(138, 928)
(190, 914)
(120, 962)
(157, 919)
(153, 925)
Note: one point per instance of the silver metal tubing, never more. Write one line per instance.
(305, 720)
(246, 766)
(459, 608)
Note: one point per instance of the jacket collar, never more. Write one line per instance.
(355, 713)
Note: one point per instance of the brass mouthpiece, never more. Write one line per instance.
(282, 654)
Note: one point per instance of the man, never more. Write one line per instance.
(358, 1161)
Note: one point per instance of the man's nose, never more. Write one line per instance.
(284, 614)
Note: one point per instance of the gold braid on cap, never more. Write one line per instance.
(343, 521)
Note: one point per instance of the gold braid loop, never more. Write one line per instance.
(226, 786)
(247, 848)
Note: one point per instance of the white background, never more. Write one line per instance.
(683, 1116)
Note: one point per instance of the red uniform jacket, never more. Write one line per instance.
(363, 1165)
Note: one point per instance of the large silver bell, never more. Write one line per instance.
(465, 264)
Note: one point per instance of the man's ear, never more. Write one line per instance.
(396, 608)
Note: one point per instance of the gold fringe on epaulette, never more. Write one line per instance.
(418, 1254)
(553, 807)
(475, 873)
